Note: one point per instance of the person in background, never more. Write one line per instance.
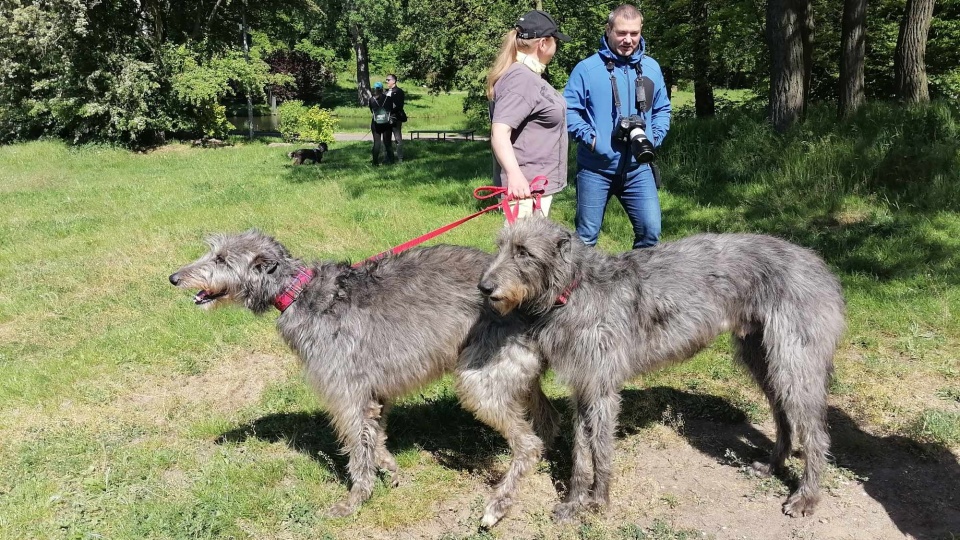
(528, 116)
(395, 93)
(607, 156)
(380, 106)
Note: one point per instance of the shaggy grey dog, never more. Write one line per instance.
(603, 319)
(367, 335)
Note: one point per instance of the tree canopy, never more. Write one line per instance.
(137, 71)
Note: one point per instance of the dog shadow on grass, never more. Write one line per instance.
(910, 479)
(915, 482)
(438, 425)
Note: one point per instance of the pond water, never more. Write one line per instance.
(260, 123)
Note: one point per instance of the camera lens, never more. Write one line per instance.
(640, 146)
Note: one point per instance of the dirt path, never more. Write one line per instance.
(689, 478)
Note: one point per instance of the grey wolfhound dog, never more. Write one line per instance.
(603, 319)
(367, 335)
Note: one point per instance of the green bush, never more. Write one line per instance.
(301, 123)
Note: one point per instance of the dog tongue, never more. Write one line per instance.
(201, 297)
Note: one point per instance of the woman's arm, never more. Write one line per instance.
(517, 185)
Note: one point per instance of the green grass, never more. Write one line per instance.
(424, 110)
(128, 413)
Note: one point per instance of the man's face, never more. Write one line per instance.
(391, 82)
(624, 36)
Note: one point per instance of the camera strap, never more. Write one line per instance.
(641, 94)
(613, 86)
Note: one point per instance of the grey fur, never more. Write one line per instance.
(637, 311)
(370, 334)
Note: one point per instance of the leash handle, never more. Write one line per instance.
(537, 187)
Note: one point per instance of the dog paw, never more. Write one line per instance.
(798, 505)
(760, 469)
(392, 479)
(489, 521)
(596, 504)
(566, 512)
(342, 509)
(494, 512)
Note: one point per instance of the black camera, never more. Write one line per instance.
(630, 130)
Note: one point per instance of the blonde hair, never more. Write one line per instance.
(507, 56)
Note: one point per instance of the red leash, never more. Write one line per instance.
(537, 187)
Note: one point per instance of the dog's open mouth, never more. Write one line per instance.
(205, 297)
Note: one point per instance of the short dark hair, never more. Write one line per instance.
(624, 11)
(391, 76)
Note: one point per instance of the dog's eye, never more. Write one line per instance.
(521, 252)
(220, 260)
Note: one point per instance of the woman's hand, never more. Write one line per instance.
(517, 186)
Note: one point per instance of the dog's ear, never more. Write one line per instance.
(565, 246)
(263, 264)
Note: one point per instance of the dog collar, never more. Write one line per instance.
(565, 295)
(292, 291)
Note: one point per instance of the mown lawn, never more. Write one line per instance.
(125, 412)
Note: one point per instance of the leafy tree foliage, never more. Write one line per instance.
(307, 77)
(298, 122)
(137, 71)
(130, 71)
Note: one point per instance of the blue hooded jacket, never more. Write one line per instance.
(590, 107)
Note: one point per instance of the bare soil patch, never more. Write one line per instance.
(690, 476)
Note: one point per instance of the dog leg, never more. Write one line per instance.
(545, 418)
(385, 460)
(526, 449)
(749, 351)
(604, 413)
(781, 449)
(582, 476)
(803, 502)
(360, 432)
(811, 425)
(497, 391)
(795, 381)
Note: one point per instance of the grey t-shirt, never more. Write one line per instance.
(538, 115)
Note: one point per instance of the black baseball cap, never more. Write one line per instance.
(537, 24)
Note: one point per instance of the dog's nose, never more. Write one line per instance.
(486, 287)
(174, 279)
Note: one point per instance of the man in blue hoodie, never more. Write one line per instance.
(605, 164)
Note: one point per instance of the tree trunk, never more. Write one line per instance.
(910, 71)
(852, 54)
(785, 41)
(199, 26)
(246, 56)
(702, 89)
(669, 80)
(805, 15)
(359, 42)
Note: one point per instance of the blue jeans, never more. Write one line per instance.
(637, 192)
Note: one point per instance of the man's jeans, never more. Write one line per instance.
(638, 195)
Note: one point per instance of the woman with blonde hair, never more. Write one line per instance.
(528, 130)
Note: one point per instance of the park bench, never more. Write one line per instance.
(442, 134)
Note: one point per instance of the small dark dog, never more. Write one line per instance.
(313, 154)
